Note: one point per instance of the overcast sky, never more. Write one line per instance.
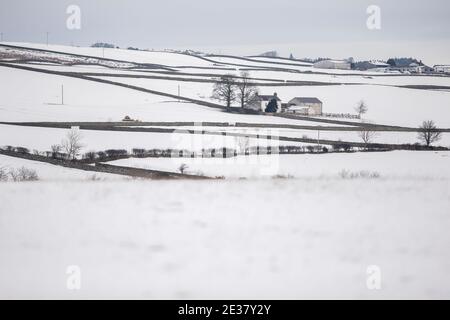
(330, 28)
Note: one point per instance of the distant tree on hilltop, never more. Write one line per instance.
(391, 62)
(403, 62)
(102, 45)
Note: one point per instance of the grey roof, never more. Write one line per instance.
(268, 98)
(300, 100)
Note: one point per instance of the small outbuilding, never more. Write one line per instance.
(305, 106)
(442, 68)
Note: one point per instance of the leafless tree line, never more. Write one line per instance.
(229, 89)
(428, 134)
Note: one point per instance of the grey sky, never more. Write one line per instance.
(245, 25)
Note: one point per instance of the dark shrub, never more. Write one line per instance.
(342, 147)
(22, 150)
(116, 152)
(91, 155)
(101, 155)
(138, 152)
(23, 174)
(347, 147)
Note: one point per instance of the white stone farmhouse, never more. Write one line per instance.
(261, 101)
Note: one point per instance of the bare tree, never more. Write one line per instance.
(225, 90)
(361, 108)
(56, 149)
(3, 174)
(23, 174)
(72, 144)
(182, 168)
(367, 135)
(428, 133)
(247, 92)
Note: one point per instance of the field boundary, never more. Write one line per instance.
(106, 168)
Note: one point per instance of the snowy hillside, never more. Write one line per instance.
(346, 190)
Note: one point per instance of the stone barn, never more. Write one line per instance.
(305, 106)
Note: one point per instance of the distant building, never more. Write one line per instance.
(270, 54)
(412, 68)
(304, 106)
(333, 64)
(442, 68)
(261, 101)
(373, 65)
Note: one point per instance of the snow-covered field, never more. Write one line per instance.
(95, 101)
(292, 239)
(43, 138)
(48, 172)
(92, 101)
(387, 105)
(295, 226)
(423, 165)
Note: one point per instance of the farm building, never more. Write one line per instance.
(442, 68)
(373, 65)
(333, 64)
(261, 101)
(411, 68)
(305, 106)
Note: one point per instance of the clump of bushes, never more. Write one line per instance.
(116, 152)
(346, 147)
(90, 155)
(18, 175)
(105, 155)
(21, 150)
(137, 152)
(301, 149)
(3, 174)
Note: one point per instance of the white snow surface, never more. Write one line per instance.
(292, 228)
(423, 165)
(49, 172)
(258, 239)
